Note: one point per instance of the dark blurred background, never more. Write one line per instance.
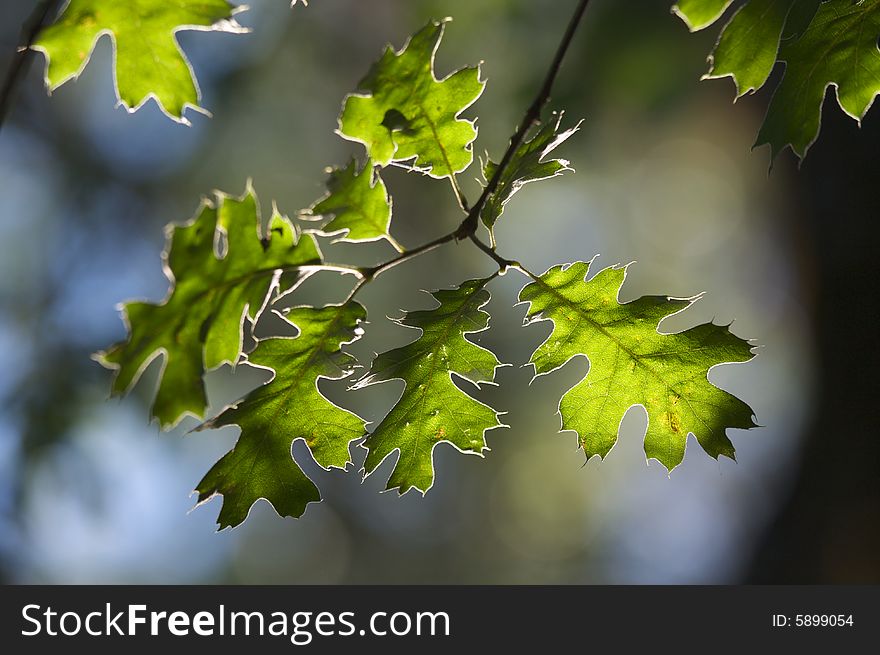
(90, 492)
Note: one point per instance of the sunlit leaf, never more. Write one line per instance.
(749, 44)
(838, 49)
(527, 165)
(287, 408)
(148, 61)
(433, 409)
(403, 112)
(633, 363)
(358, 203)
(698, 14)
(223, 270)
(823, 44)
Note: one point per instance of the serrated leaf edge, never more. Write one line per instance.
(366, 381)
(539, 318)
(309, 215)
(473, 122)
(227, 26)
(208, 425)
(215, 203)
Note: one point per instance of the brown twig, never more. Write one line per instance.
(468, 226)
(20, 61)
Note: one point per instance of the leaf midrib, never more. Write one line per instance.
(600, 328)
(287, 389)
(438, 342)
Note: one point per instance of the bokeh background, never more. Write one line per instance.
(91, 492)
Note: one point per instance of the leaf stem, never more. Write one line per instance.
(373, 272)
(503, 263)
(29, 30)
(395, 243)
(344, 269)
(459, 194)
(468, 226)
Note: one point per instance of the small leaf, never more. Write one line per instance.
(633, 363)
(200, 324)
(838, 49)
(148, 61)
(432, 408)
(358, 203)
(287, 408)
(526, 165)
(405, 113)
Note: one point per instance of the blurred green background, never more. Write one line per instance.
(90, 492)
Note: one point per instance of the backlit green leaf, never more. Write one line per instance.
(287, 408)
(358, 203)
(633, 363)
(433, 409)
(148, 61)
(404, 113)
(222, 271)
(527, 165)
(838, 49)
(823, 44)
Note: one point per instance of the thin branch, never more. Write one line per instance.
(468, 227)
(503, 263)
(376, 271)
(367, 275)
(29, 30)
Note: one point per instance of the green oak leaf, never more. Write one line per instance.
(148, 62)
(287, 408)
(748, 46)
(633, 363)
(433, 409)
(358, 202)
(527, 165)
(405, 113)
(831, 43)
(222, 271)
(839, 48)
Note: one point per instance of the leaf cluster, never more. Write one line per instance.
(226, 268)
(822, 44)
